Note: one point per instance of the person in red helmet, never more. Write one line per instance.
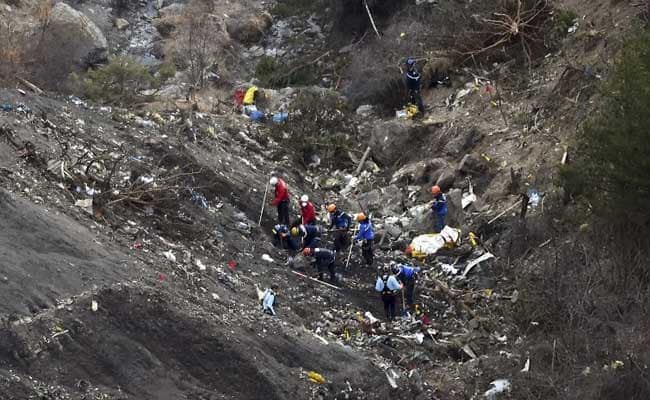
(323, 259)
(439, 207)
(281, 200)
(307, 211)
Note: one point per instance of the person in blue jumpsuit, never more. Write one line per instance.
(365, 237)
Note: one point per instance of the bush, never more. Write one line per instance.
(318, 124)
(612, 164)
(276, 74)
(166, 72)
(120, 81)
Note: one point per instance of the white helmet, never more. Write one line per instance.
(273, 181)
(304, 198)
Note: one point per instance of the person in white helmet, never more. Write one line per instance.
(281, 200)
(307, 211)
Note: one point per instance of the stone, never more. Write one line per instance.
(386, 201)
(462, 142)
(365, 110)
(472, 164)
(121, 24)
(389, 139)
(249, 30)
(420, 172)
(455, 217)
(446, 179)
(76, 36)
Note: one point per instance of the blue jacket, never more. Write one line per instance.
(391, 282)
(412, 79)
(324, 257)
(407, 272)
(365, 231)
(340, 220)
(280, 229)
(440, 204)
(310, 235)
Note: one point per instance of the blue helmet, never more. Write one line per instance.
(410, 62)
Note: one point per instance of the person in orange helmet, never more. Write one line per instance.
(439, 208)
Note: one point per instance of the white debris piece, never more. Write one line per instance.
(499, 386)
(526, 366)
(267, 258)
(473, 263)
(200, 265)
(169, 255)
(94, 306)
(370, 317)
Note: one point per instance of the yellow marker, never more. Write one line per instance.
(315, 377)
(472, 239)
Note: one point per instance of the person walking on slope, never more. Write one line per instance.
(365, 236)
(439, 208)
(388, 286)
(323, 259)
(413, 84)
(340, 222)
(407, 275)
(309, 235)
(281, 200)
(307, 211)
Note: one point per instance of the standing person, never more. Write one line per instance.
(413, 84)
(309, 235)
(323, 259)
(281, 200)
(439, 208)
(388, 286)
(340, 222)
(365, 236)
(307, 211)
(407, 275)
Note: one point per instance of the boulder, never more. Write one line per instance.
(391, 139)
(446, 179)
(462, 142)
(121, 24)
(75, 37)
(472, 164)
(455, 216)
(251, 30)
(385, 202)
(420, 172)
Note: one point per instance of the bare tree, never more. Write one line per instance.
(198, 41)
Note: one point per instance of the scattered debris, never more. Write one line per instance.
(497, 387)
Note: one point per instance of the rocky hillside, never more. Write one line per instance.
(134, 244)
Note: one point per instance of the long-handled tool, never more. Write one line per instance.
(266, 191)
(405, 313)
(316, 280)
(347, 263)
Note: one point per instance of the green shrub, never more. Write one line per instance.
(166, 72)
(273, 73)
(562, 21)
(120, 81)
(612, 164)
(290, 8)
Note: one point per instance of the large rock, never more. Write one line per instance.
(385, 202)
(420, 172)
(390, 140)
(472, 164)
(446, 179)
(75, 37)
(454, 208)
(251, 30)
(463, 141)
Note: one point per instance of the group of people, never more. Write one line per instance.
(305, 234)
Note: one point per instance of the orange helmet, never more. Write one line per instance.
(331, 208)
(306, 251)
(435, 190)
(361, 217)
